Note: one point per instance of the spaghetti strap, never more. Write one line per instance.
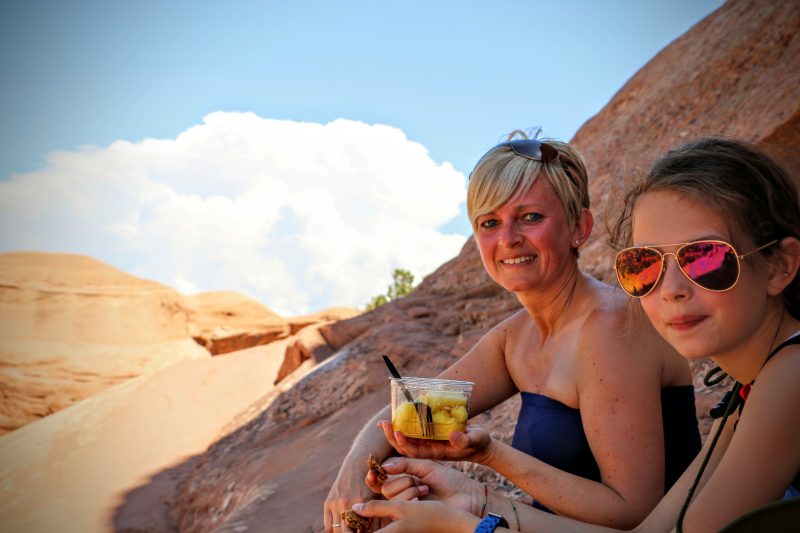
(794, 339)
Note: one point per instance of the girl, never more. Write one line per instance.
(713, 251)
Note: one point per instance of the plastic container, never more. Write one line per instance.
(445, 400)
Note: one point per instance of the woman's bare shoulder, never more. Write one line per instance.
(512, 324)
(616, 334)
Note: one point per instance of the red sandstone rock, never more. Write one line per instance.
(226, 321)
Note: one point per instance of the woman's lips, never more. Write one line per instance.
(685, 322)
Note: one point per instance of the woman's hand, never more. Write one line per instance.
(417, 478)
(475, 445)
(418, 516)
(347, 490)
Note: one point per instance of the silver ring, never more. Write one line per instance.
(336, 525)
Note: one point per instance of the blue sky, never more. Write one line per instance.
(449, 77)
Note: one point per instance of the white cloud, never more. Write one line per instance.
(301, 216)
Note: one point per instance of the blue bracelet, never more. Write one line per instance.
(490, 523)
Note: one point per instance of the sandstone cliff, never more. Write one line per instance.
(72, 326)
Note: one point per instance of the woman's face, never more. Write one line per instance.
(526, 243)
(696, 322)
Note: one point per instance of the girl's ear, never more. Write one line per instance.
(583, 227)
(785, 264)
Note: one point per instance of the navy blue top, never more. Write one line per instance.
(553, 433)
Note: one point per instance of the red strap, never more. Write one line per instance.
(744, 392)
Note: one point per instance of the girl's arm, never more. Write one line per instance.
(764, 452)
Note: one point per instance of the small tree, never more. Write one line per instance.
(402, 285)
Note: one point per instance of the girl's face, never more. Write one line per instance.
(526, 243)
(695, 321)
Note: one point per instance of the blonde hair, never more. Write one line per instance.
(501, 176)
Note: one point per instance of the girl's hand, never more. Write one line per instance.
(418, 516)
(415, 478)
(475, 445)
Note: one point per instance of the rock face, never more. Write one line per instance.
(72, 326)
(225, 321)
(734, 73)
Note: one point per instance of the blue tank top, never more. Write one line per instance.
(553, 433)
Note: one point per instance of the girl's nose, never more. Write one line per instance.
(674, 283)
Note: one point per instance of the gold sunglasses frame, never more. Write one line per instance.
(681, 246)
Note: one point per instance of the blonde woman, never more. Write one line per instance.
(607, 421)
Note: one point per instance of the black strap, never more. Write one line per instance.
(784, 344)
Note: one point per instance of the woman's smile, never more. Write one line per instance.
(517, 260)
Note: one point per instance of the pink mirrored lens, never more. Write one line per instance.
(712, 265)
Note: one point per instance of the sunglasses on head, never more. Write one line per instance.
(532, 149)
(711, 265)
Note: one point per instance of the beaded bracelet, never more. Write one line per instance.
(516, 514)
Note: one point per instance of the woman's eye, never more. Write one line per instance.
(488, 223)
(532, 217)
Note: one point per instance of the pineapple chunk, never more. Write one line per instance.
(459, 414)
(438, 400)
(406, 420)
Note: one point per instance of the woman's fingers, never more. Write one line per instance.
(388, 432)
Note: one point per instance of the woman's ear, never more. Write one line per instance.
(583, 227)
(785, 264)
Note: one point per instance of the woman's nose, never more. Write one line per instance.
(509, 234)
(674, 284)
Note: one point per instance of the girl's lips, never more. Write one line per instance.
(685, 322)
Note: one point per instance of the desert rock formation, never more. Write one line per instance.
(72, 326)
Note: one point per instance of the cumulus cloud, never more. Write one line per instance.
(301, 216)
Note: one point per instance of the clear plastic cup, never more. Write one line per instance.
(429, 408)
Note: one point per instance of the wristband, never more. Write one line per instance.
(490, 523)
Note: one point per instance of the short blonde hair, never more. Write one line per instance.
(501, 176)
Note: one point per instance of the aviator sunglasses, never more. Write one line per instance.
(711, 265)
(532, 149)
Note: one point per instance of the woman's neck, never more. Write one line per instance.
(551, 308)
(744, 362)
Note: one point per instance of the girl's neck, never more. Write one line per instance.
(744, 362)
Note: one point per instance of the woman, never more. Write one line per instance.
(713, 236)
(587, 444)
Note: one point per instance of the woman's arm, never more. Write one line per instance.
(619, 393)
(484, 364)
